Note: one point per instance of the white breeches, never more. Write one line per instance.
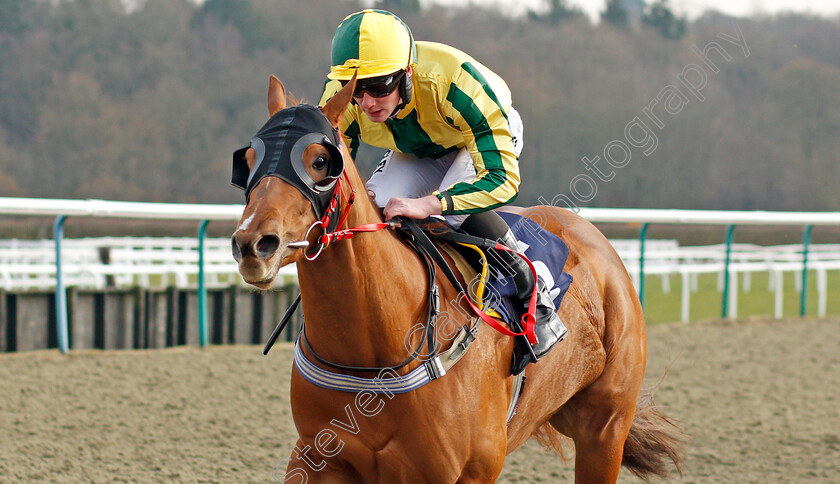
(407, 176)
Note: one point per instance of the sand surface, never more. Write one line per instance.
(760, 400)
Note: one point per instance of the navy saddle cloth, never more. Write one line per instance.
(546, 251)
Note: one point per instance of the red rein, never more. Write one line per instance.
(328, 238)
(528, 319)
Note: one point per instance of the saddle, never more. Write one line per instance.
(489, 287)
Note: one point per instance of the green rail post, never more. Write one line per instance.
(202, 287)
(806, 242)
(642, 237)
(725, 306)
(60, 293)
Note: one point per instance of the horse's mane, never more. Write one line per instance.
(434, 226)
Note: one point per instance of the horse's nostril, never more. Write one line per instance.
(235, 250)
(267, 246)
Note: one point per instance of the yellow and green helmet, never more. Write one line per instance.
(373, 42)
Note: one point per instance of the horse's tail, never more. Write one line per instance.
(653, 440)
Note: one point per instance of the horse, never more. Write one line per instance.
(361, 296)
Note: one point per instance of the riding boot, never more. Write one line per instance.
(549, 329)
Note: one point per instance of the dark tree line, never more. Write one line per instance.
(97, 102)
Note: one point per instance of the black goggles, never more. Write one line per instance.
(377, 86)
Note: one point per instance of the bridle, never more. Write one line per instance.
(327, 237)
(279, 147)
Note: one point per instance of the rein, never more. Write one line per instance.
(330, 223)
(329, 237)
(433, 298)
(421, 244)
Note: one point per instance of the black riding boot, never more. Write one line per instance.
(549, 328)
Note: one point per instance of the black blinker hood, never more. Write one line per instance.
(280, 144)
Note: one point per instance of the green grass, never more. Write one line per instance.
(662, 307)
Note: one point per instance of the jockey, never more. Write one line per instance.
(452, 136)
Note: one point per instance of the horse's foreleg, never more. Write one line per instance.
(487, 470)
(307, 466)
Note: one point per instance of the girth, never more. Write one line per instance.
(436, 363)
(433, 309)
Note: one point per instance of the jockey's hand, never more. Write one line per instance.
(417, 208)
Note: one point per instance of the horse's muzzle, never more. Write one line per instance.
(262, 247)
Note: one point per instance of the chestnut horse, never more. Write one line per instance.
(363, 295)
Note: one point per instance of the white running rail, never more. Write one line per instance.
(664, 258)
(99, 262)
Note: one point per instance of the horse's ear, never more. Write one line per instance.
(335, 107)
(251, 158)
(276, 95)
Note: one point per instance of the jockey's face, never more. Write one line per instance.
(378, 108)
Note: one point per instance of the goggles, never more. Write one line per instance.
(377, 86)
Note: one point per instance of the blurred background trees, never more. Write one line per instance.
(148, 104)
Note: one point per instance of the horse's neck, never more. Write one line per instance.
(362, 295)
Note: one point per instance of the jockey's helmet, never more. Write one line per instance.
(373, 43)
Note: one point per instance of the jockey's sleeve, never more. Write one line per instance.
(475, 109)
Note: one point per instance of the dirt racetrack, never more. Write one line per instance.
(760, 399)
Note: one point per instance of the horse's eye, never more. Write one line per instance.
(320, 163)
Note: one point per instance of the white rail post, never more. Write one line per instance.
(732, 310)
(686, 296)
(822, 289)
(779, 282)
